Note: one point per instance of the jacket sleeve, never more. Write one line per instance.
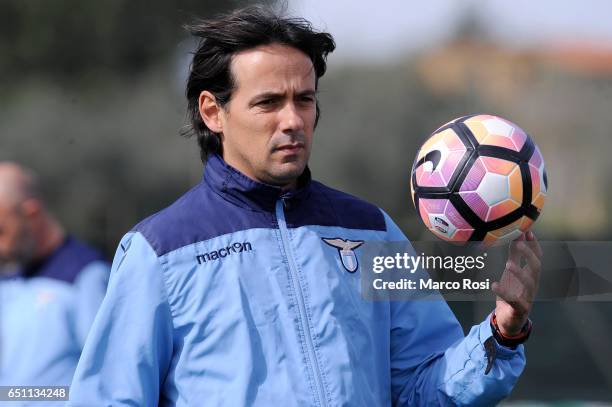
(129, 347)
(432, 363)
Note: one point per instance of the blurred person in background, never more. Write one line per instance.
(51, 286)
(245, 291)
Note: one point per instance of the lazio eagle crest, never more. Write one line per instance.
(345, 250)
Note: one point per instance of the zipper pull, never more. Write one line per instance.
(491, 352)
(286, 203)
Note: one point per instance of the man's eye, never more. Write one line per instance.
(266, 102)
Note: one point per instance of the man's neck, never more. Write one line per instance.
(51, 237)
(290, 187)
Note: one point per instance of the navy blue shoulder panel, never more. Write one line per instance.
(198, 215)
(67, 261)
(329, 207)
(204, 213)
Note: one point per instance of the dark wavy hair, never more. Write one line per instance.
(222, 37)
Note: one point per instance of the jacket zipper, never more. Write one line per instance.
(282, 226)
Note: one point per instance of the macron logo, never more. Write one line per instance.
(224, 252)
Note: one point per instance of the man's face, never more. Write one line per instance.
(16, 242)
(268, 125)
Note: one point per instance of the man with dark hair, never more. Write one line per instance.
(50, 287)
(237, 294)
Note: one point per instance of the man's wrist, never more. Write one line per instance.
(510, 341)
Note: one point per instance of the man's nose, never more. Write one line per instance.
(290, 118)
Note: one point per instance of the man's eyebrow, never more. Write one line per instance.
(275, 95)
(308, 92)
(267, 95)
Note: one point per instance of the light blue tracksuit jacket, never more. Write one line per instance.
(230, 297)
(46, 311)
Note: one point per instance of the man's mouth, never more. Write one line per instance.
(290, 148)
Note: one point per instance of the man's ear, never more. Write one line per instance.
(210, 111)
(31, 207)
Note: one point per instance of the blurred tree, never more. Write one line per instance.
(68, 39)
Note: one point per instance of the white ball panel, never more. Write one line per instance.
(499, 127)
(494, 188)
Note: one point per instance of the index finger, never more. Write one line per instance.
(533, 261)
(533, 243)
(513, 252)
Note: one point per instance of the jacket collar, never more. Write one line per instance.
(37, 267)
(236, 187)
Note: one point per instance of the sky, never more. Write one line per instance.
(390, 28)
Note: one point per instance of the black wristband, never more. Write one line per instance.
(510, 341)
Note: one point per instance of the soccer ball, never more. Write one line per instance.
(479, 178)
